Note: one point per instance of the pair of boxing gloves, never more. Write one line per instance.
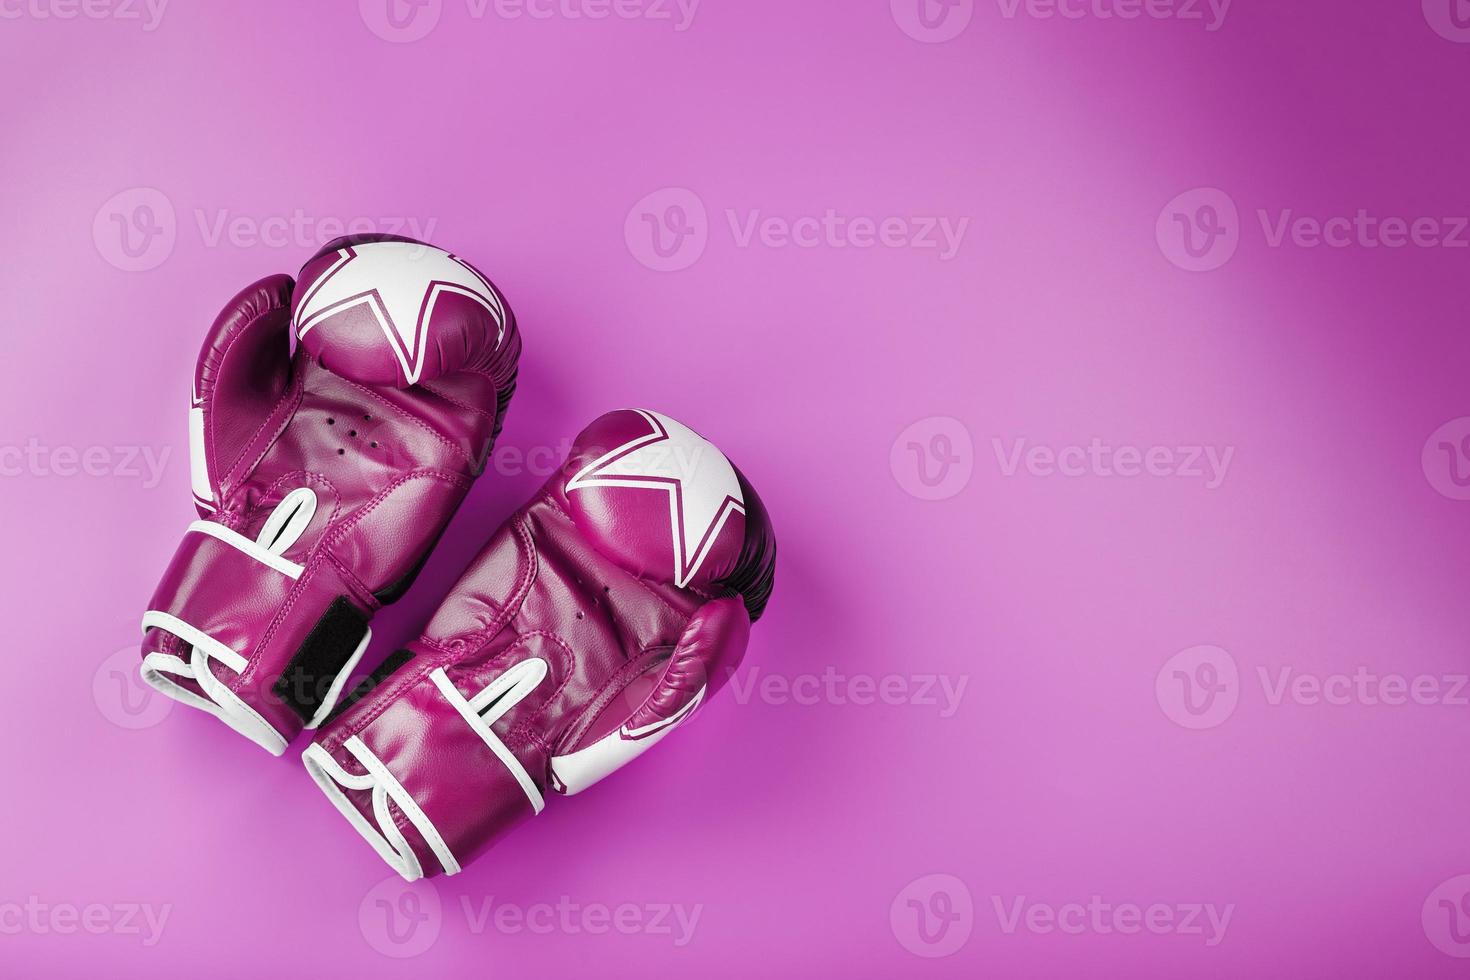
(596, 619)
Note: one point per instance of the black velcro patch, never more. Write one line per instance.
(371, 682)
(304, 684)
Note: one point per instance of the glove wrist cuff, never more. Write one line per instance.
(418, 823)
(261, 642)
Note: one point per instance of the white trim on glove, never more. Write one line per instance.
(221, 701)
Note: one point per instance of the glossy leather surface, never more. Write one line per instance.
(388, 462)
(582, 579)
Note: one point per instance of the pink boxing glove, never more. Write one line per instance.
(596, 619)
(323, 479)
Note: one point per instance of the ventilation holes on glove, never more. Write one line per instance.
(357, 434)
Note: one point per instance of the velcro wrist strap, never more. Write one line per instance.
(220, 587)
(468, 783)
(313, 678)
(434, 754)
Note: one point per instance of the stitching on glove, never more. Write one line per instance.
(321, 555)
(362, 512)
(224, 354)
(609, 691)
(496, 666)
(360, 590)
(413, 419)
(305, 478)
(567, 668)
(389, 692)
(459, 403)
(384, 695)
(525, 577)
(404, 825)
(527, 737)
(556, 506)
(281, 415)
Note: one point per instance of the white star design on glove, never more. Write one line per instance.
(702, 486)
(399, 283)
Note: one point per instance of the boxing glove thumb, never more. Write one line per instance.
(713, 644)
(243, 371)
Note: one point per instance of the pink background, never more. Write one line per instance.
(1076, 763)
